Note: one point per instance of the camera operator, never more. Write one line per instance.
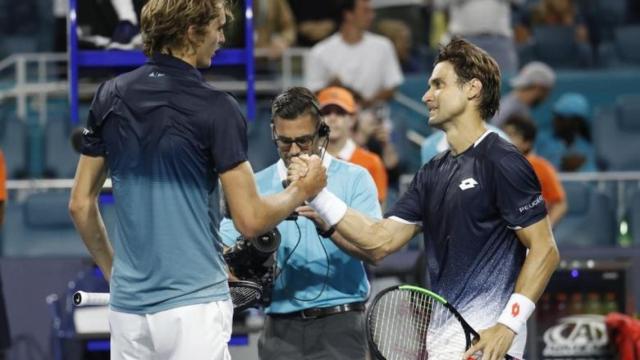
(319, 289)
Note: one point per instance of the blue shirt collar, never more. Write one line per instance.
(173, 62)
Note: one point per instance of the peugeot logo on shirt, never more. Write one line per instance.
(468, 183)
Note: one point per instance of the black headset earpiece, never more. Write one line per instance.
(323, 128)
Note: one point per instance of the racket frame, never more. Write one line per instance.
(470, 334)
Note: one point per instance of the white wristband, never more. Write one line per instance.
(329, 206)
(517, 312)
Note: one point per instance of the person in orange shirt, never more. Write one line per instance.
(338, 107)
(522, 132)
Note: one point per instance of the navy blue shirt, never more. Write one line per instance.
(469, 206)
(166, 135)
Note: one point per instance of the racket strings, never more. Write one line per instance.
(413, 325)
(244, 296)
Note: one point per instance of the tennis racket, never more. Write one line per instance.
(244, 294)
(406, 322)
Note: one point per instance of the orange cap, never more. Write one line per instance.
(335, 95)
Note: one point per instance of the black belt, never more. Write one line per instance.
(315, 313)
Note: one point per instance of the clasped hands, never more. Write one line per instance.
(310, 176)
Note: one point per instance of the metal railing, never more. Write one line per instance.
(42, 87)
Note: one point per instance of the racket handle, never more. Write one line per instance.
(81, 298)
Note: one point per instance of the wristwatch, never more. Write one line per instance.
(327, 233)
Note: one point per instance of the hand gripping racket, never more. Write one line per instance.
(244, 294)
(408, 322)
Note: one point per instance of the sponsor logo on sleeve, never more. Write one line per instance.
(531, 205)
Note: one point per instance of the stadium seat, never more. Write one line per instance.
(41, 226)
(615, 130)
(13, 144)
(623, 50)
(633, 217)
(590, 219)
(556, 46)
(60, 158)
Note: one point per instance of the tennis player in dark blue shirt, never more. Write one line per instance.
(478, 205)
(165, 136)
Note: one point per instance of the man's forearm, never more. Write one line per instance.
(373, 237)
(352, 249)
(90, 226)
(538, 267)
(556, 212)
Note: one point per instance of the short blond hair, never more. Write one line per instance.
(164, 23)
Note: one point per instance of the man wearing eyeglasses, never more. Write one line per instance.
(320, 289)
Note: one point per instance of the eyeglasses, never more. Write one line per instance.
(303, 142)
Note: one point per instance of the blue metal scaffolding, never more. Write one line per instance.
(116, 58)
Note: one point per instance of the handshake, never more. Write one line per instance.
(308, 173)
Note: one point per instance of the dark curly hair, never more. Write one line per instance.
(470, 62)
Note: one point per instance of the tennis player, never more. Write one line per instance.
(165, 136)
(478, 205)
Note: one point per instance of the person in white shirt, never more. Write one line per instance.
(355, 58)
(487, 24)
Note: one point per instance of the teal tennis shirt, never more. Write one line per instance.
(166, 135)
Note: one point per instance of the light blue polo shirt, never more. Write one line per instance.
(318, 273)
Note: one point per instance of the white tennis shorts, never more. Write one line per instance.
(191, 332)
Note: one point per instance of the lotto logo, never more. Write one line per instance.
(468, 183)
(515, 309)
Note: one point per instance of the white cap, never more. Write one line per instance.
(534, 73)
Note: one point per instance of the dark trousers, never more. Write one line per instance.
(334, 337)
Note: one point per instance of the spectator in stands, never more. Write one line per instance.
(522, 132)
(274, 26)
(316, 20)
(339, 109)
(571, 148)
(107, 24)
(373, 131)
(356, 58)
(563, 13)
(5, 335)
(487, 24)
(126, 35)
(402, 38)
(531, 87)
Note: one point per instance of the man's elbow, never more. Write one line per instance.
(248, 228)
(377, 254)
(553, 256)
(78, 207)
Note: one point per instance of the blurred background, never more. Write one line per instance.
(571, 69)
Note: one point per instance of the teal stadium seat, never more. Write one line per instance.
(590, 219)
(616, 130)
(556, 46)
(41, 226)
(633, 217)
(13, 144)
(623, 50)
